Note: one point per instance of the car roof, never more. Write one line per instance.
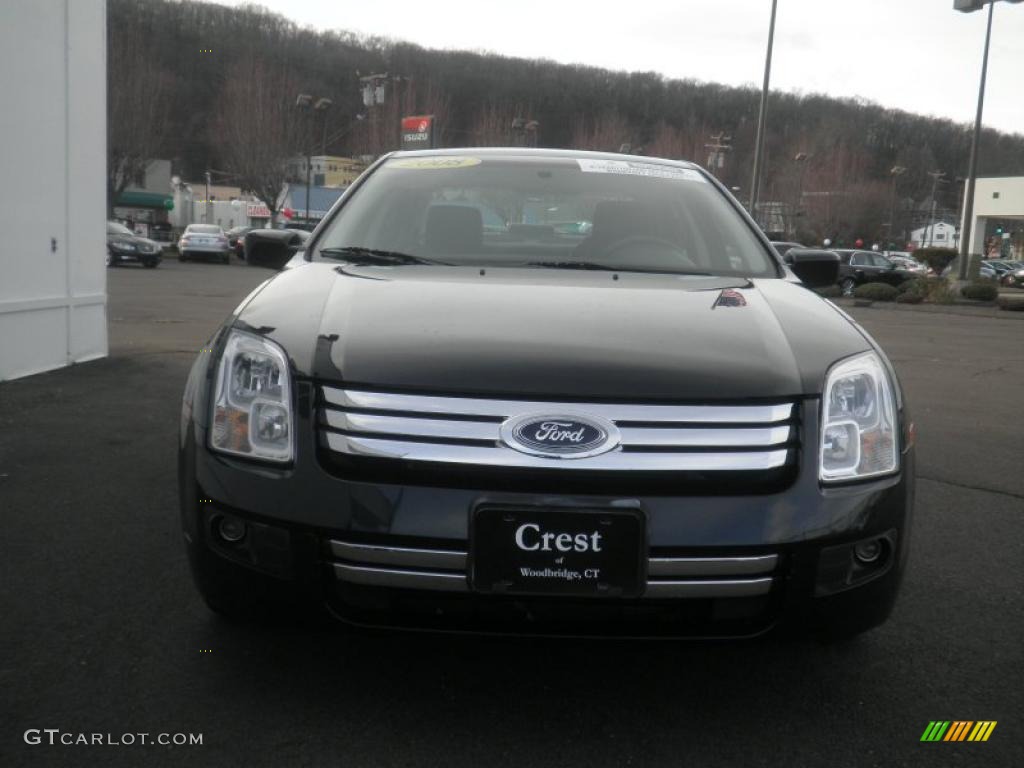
(571, 154)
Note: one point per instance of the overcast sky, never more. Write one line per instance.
(918, 55)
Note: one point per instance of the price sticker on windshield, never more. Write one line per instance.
(441, 162)
(632, 168)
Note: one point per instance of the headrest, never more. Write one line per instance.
(454, 229)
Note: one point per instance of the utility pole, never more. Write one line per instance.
(929, 230)
(209, 203)
(719, 146)
(305, 103)
(374, 89)
(759, 145)
(802, 158)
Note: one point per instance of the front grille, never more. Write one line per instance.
(445, 570)
(464, 432)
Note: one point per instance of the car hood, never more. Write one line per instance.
(560, 333)
(133, 239)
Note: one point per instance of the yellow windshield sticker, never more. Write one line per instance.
(440, 162)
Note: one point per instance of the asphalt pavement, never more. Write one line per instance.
(101, 630)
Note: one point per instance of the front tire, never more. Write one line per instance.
(150, 263)
(847, 286)
(225, 259)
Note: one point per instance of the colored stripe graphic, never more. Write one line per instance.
(935, 730)
(958, 730)
(982, 730)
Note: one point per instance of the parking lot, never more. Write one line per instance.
(103, 631)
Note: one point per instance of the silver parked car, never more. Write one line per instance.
(204, 241)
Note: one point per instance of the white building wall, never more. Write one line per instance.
(995, 198)
(52, 273)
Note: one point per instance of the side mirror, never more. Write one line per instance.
(815, 269)
(271, 247)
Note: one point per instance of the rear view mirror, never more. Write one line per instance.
(815, 268)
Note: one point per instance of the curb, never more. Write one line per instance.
(960, 308)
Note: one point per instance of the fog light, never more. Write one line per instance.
(868, 551)
(231, 529)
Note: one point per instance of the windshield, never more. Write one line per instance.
(113, 228)
(204, 229)
(553, 212)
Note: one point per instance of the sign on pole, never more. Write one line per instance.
(418, 132)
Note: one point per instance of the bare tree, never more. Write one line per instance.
(607, 132)
(259, 129)
(138, 90)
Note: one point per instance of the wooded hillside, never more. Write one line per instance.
(184, 70)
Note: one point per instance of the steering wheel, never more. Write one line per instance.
(632, 241)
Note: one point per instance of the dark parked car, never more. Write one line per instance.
(859, 267)
(236, 240)
(124, 246)
(645, 426)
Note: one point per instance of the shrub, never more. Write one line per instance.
(917, 286)
(936, 258)
(910, 298)
(828, 291)
(940, 291)
(1011, 303)
(876, 292)
(980, 290)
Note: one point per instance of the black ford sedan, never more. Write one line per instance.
(540, 391)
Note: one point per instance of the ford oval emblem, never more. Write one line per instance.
(560, 436)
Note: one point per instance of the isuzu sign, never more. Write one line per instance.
(418, 132)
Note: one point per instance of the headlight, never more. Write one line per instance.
(252, 404)
(858, 429)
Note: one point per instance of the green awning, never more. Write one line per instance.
(135, 199)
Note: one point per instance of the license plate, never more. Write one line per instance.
(545, 551)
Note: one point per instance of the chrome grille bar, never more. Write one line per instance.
(711, 566)
(467, 406)
(384, 424)
(705, 588)
(497, 455)
(445, 570)
(402, 556)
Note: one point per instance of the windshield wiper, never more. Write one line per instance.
(572, 265)
(607, 268)
(374, 256)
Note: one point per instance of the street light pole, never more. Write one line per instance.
(972, 168)
(896, 171)
(759, 145)
(306, 103)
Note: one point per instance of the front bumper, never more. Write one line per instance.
(385, 553)
(118, 255)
